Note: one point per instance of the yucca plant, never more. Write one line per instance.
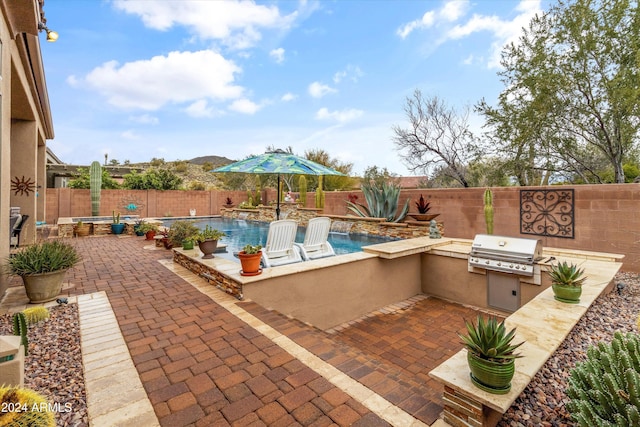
(566, 274)
(489, 340)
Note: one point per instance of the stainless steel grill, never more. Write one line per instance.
(506, 254)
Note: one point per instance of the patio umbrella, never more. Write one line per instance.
(278, 162)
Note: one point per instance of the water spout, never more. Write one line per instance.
(341, 227)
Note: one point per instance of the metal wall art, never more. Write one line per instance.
(547, 213)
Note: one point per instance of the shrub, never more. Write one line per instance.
(43, 257)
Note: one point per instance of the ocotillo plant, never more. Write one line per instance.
(488, 210)
(302, 187)
(320, 194)
(95, 185)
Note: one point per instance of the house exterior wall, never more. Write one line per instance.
(26, 122)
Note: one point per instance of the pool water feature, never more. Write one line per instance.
(240, 233)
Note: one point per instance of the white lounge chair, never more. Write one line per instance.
(315, 243)
(280, 248)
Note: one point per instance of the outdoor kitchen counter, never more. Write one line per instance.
(543, 323)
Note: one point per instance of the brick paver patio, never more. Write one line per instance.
(203, 366)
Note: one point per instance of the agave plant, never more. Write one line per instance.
(382, 202)
(566, 274)
(489, 340)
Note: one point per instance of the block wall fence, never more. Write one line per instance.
(606, 217)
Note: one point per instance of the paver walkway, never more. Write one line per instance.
(201, 365)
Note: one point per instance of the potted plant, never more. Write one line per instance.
(116, 226)
(181, 233)
(423, 210)
(81, 229)
(228, 203)
(149, 229)
(490, 354)
(137, 225)
(566, 282)
(250, 257)
(207, 240)
(42, 267)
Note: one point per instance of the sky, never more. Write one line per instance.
(143, 79)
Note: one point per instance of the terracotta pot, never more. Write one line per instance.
(208, 247)
(568, 294)
(43, 287)
(250, 263)
(490, 376)
(423, 217)
(150, 235)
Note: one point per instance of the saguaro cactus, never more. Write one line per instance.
(20, 328)
(302, 187)
(95, 185)
(488, 210)
(320, 194)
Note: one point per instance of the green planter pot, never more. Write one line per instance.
(187, 244)
(490, 376)
(568, 294)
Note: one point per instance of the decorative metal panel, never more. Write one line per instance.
(547, 213)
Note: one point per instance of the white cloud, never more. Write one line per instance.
(451, 11)
(318, 90)
(343, 116)
(73, 81)
(145, 119)
(130, 135)
(277, 55)
(201, 108)
(176, 78)
(234, 23)
(244, 106)
(288, 97)
(351, 72)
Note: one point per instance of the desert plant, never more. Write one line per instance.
(228, 201)
(43, 257)
(181, 230)
(320, 193)
(95, 185)
(148, 226)
(382, 202)
(488, 210)
(302, 188)
(251, 249)
(422, 205)
(35, 314)
(208, 233)
(605, 389)
(20, 328)
(566, 274)
(24, 407)
(116, 217)
(489, 340)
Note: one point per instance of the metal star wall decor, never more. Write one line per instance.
(22, 186)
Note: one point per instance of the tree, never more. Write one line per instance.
(82, 180)
(572, 92)
(331, 182)
(438, 137)
(152, 179)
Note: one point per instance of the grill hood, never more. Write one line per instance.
(506, 254)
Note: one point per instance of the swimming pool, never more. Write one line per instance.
(240, 232)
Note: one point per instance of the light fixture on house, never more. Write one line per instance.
(51, 35)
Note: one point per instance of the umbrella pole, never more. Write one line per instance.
(278, 200)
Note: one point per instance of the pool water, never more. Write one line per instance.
(240, 233)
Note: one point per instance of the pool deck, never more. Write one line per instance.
(196, 356)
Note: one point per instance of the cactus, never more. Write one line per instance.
(20, 328)
(95, 182)
(488, 210)
(302, 187)
(605, 389)
(35, 314)
(320, 194)
(24, 407)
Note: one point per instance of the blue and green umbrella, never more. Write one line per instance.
(278, 162)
